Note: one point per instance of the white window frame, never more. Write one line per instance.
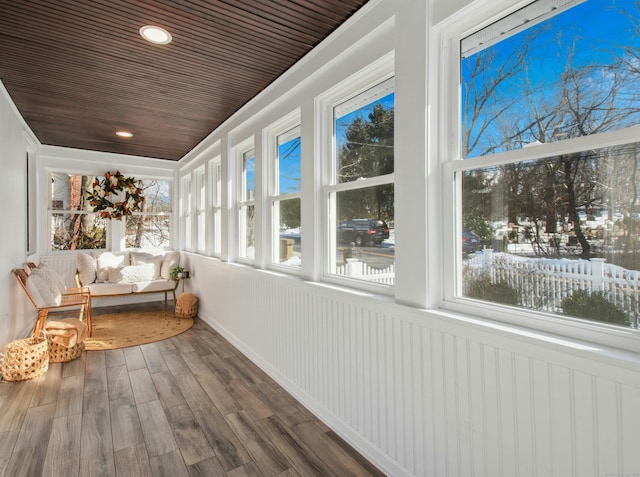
(289, 126)
(116, 231)
(200, 204)
(186, 225)
(446, 55)
(243, 152)
(214, 235)
(375, 74)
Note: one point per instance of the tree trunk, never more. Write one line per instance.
(568, 162)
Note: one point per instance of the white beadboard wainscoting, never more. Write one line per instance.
(64, 265)
(425, 393)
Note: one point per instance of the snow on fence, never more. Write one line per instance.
(354, 268)
(543, 283)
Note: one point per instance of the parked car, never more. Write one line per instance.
(471, 242)
(363, 231)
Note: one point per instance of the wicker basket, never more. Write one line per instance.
(25, 359)
(62, 354)
(187, 305)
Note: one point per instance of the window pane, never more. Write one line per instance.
(157, 196)
(185, 210)
(202, 191)
(248, 174)
(217, 210)
(562, 233)
(288, 164)
(363, 234)
(571, 75)
(247, 231)
(148, 231)
(68, 191)
(364, 141)
(217, 227)
(187, 231)
(287, 215)
(217, 197)
(201, 217)
(77, 232)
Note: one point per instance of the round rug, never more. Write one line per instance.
(121, 330)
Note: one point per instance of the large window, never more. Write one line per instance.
(151, 227)
(285, 199)
(548, 214)
(361, 189)
(246, 204)
(72, 223)
(74, 226)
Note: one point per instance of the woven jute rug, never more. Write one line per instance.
(121, 330)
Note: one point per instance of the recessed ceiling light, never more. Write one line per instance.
(124, 134)
(155, 34)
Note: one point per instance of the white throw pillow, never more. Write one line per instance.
(42, 294)
(131, 273)
(86, 265)
(107, 260)
(147, 258)
(53, 277)
(55, 293)
(33, 291)
(170, 261)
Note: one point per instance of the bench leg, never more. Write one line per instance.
(88, 317)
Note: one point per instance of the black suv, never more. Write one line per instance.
(471, 242)
(362, 231)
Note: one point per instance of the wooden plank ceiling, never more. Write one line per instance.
(78, 70)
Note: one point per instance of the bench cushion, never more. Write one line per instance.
(101, 289)
(154, 286)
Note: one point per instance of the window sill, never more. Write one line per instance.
(606, 343)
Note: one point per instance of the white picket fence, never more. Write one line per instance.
(354, 268)
(544, 283)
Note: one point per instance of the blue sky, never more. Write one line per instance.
(593, 33)
(343, 122)
(289, 154)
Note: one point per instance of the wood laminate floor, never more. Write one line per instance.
(191, 405)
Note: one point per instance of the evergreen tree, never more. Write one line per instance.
(368, 152)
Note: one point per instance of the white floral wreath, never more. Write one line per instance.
(113, 186)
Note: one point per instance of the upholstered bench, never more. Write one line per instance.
(108, 274)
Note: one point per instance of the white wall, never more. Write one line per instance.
(16, 314)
